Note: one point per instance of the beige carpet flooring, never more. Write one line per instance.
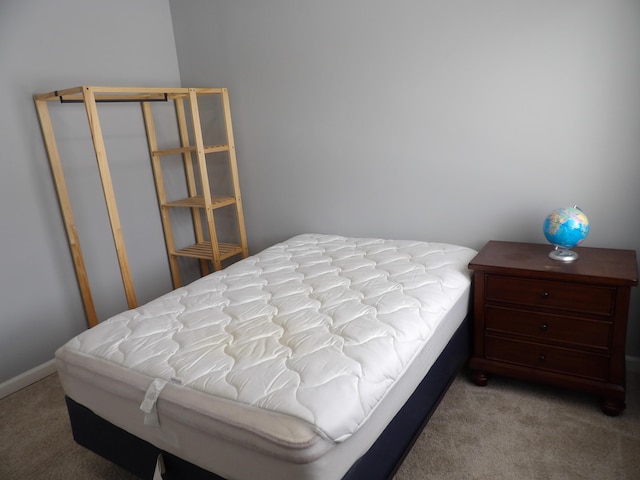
(507, 430)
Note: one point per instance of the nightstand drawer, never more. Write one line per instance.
(549, 327)
(575, 297)
(545, 357)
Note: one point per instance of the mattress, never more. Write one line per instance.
(291, 361)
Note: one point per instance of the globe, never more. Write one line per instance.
(566, 228)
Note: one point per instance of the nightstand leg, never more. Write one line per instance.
(479, 378)
(612, 407)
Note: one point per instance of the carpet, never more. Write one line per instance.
(506, 430)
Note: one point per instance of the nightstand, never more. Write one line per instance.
(563, 324)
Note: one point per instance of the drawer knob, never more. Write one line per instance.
(544, 327)
(544, 294)
(541, 358)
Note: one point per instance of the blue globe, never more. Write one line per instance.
(566, 228)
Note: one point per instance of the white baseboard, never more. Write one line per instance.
(27, 378)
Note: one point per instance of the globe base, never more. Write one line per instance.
(563, 255)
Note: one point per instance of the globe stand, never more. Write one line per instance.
(563, 255)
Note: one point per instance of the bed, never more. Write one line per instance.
(321, 357)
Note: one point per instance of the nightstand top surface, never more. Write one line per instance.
(599, 264)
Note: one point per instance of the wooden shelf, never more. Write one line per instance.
(217, 201)
(180, 150)
(191, 149)
(202, 250)
(194, 153)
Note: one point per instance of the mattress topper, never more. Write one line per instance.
(318, 327)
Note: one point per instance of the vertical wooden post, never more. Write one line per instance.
(233, 164)
(204, 179)
(109, 196)
(65, 207)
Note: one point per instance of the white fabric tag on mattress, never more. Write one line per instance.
(148, 405)
(158, 473)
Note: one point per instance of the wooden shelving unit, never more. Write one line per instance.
(195, 156)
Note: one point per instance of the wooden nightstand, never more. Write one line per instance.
(559, 323)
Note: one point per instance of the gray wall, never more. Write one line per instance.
(47, 45)
(457, 121)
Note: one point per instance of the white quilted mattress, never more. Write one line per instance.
(290, 350)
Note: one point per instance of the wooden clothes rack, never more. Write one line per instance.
(201, 202)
